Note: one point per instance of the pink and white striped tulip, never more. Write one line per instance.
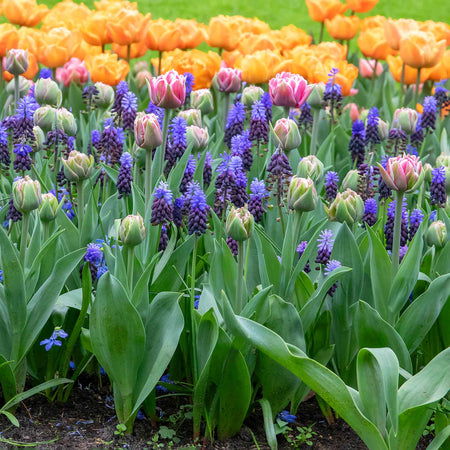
(403, 173)
(168, 90)
(289, 90)
(229, 80)
(74, 71)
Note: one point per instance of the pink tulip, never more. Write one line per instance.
(288, 136)
(74, 71)
(289, 90)
(229, 80)
(403, 173)
(354, 111)
(367, 67)
(147, 131)
(167, 90)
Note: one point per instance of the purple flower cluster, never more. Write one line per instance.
(324, 246)
(438, 195)
(124, 179)
(162, 206)
(331, 185)
(258, 194)
(235, 122)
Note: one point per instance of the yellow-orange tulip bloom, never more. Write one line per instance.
(441, 71)
(361, 6)
(203, 65)
(395, 64)
(345, 77)
(107, 68)
(342, 27)
(192, 33)
(394, 30)
(29, 39)
(162, 35)
(258, 67)
(250, 43)
(136, 50)
(80, 48)
(291, 36)
(127, 26)
(94, 29)
(223, 33)
(24, 12)
(331, 49)
(440, 30)
(66, 14)
(420, 49)
(114, 6)
(31, 72)
(372, 22)
(373, 44)
(55, 48)
(8, 38)
(319, 10)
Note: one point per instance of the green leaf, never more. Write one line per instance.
(11, 417)
(7, 379)
(419, 317)
(268, 424)
(438, 442)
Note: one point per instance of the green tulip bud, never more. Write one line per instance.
(444, 160)
(192, 117)
(310, 166)
(47, 92)
(315, 99)
(287, 134)
(202, 99)
(147, 131)
(132, 230)
(67, 121)
(427, 168)
(105, 97)
(436, 234)
(363, 115)
(302, 195)
(198, 137)
(383, 129)
(24, 87)
(240, 223)
(250, 95)
(78, 166)
(16, 61)
(49, 207)
(44, 117)
(347, 207)
(350, 180)
(39, 138)
(26, 194)
(406, 118)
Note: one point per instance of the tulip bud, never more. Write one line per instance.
(147, 131)
(347, 207)
(350, 180)
(44, 118)
(444, 160)
(132, 230)
(403, 173)
(436, 234)
(142, 77)
(229, 80)
(315, 99)
(250, 95)
(47, 92)
(310, 167)
(26, 194)
(16, 62)
(198, 137)
(78, 166)
(240, 223)
(202, 99)
(49, 207)
(427, 168)
(363, 115)
(406, 118)
(302, 195)
(105, 97)
(24, 87)
(383, 129)
(67, 121)
(39, 138)
(287, 134)
(192, 117)
(168, 90)
(140, 66)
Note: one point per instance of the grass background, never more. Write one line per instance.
(278, 13)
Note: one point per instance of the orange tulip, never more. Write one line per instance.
(258, 67)
(332, 49)
(250, 43)
(24, 12)
(106, 68)
(345, 77)
(31, 72)
(254, 26)
(203, 65)
(291, 36)
(94, 29)
(230, 58)
(192, 33)
(29, 39)
(114, 6)
(396, 29)
(8, 38)
(223, 33)
(420, 49)
(440, 30)
(80, 48)
(319, 10)
(136, 50)
(441, 71)
(127, 26)
(162, 35)
(395, 64)
(342, 27)
(373, 44)
(66, 14)
(372, 22)
(361, 6)
(55, 48)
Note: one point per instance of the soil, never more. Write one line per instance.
(88, 421)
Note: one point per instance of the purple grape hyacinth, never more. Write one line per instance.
(438, 195)
(162, 206)
(325, 243)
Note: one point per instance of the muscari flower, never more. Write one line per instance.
(300, 250)
(428, 119)
(258, 194)
(46, 73)
(415, 219)
(198, 212)
(5, 159)
(259, 126)
(305, 119)
(111, 142)
(441, 95)
(124, 177)
(188, 174)
(241, 145)
(372, 131)
(189, 85)
(176, 143)
(207, 169)
(235, 122)
(267, 102)
(163, 239)
(331, 185)
(162, 206)
(129, 110)
(22, 161)
(389, 226)
(233, 245)
(53, 340)
(332, 265)
(178, 206)
(325, 243)
(332, 95)
(384, 191)
(121, 90)
(157, 111)
(370, 212)
(356, 145)
(437, 188)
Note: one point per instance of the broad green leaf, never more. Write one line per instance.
(268, 424)
(7, 379)
(439, 441)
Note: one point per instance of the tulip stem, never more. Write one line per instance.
(397, 232)
(190, 331)
(24, 238)
(160, 55)
(16, 91)
(167, 114)
(130, 267)
(56, 167)
(322, 26)
(226, 107)
(315, 131)
(240, 277)
(148, 178)
(416, 94)
(402, 83)
(80, 200)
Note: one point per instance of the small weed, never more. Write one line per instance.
(302, 437)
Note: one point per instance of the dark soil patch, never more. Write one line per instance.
(88, 421)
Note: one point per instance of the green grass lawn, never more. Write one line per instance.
(281, 12)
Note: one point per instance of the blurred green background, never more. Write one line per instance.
(278, 13)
